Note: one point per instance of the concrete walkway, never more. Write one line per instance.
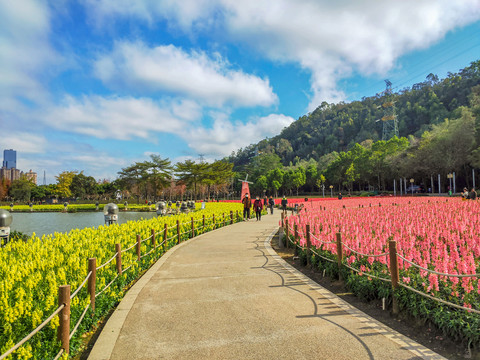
(227, 295)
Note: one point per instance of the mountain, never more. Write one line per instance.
(336, 128)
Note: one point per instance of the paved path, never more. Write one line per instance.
(227, 295)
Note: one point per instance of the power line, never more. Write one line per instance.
(428, 67)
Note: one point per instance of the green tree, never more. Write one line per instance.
(191, 174)
(261, 184)
(298, 178)
(21, 189)
(39, 192)
(263, 163)
(311, 174)
(83, 186)
(218, 174)
(134, 178)
(64, 180)
(275, 179)
(159, 173)
(321, 183)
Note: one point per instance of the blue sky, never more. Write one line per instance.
(96, 85)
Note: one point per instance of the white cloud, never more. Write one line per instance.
(224, 136)
(136, 67)
(329, 38)
(128, 118)
(27, 142)
(25, 50)
(120, 118)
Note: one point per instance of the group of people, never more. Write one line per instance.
(472, 195)
(258, 206)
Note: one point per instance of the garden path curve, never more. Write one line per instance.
(227, 295)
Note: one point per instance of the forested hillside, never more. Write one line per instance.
(340, 144)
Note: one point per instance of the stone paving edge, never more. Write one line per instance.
(103, 347)
(402, 340)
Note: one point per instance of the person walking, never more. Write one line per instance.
(284, 203)
(258, 207)
(247, 204)
(472, 195)
(271, 204)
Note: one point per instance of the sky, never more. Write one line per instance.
(96, 85)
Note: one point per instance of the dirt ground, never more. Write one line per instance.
(425, 334)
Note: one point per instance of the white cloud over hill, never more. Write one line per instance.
(329, 38)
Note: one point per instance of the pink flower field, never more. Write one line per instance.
(441, 234)
(438, 234)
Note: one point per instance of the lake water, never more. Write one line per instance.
(48, 223)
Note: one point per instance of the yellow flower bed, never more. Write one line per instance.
(32, 271)
(82, 207)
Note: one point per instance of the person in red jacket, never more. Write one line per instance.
(258, 207)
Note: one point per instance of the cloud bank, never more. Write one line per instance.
(329, 38)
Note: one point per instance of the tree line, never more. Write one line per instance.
(340, 145)
(148, 180)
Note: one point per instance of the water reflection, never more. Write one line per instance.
(48, 223)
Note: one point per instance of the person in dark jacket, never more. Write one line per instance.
(284, 203)
(271, 204)
(258, 207)
(247, 204)
(472, 195)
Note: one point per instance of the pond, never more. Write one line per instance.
(50, 222)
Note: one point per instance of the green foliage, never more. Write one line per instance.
(64, 180)
(439, 126)
(21, 189)
(146, 177)
(82, 186)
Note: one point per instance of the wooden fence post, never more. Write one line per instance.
(237, 216)
(223, 219)
(392, 245)
(92, 267)
(178, 232)
(283, 219)
(231, 217)
(193, 228)
(295, 236)
(139, 244)
(63, 332)
(154, 243)
(203, 222)
(287, 234)
(118, 258)
(213, 221)
(339, 253)
(309, 244)
(165, 230)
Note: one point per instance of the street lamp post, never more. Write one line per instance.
(331, 190)
(411, 184)
(450, 177)
(5, 221)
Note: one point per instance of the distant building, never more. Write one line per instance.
(10, 159)
(32, 176)
(10, 174)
